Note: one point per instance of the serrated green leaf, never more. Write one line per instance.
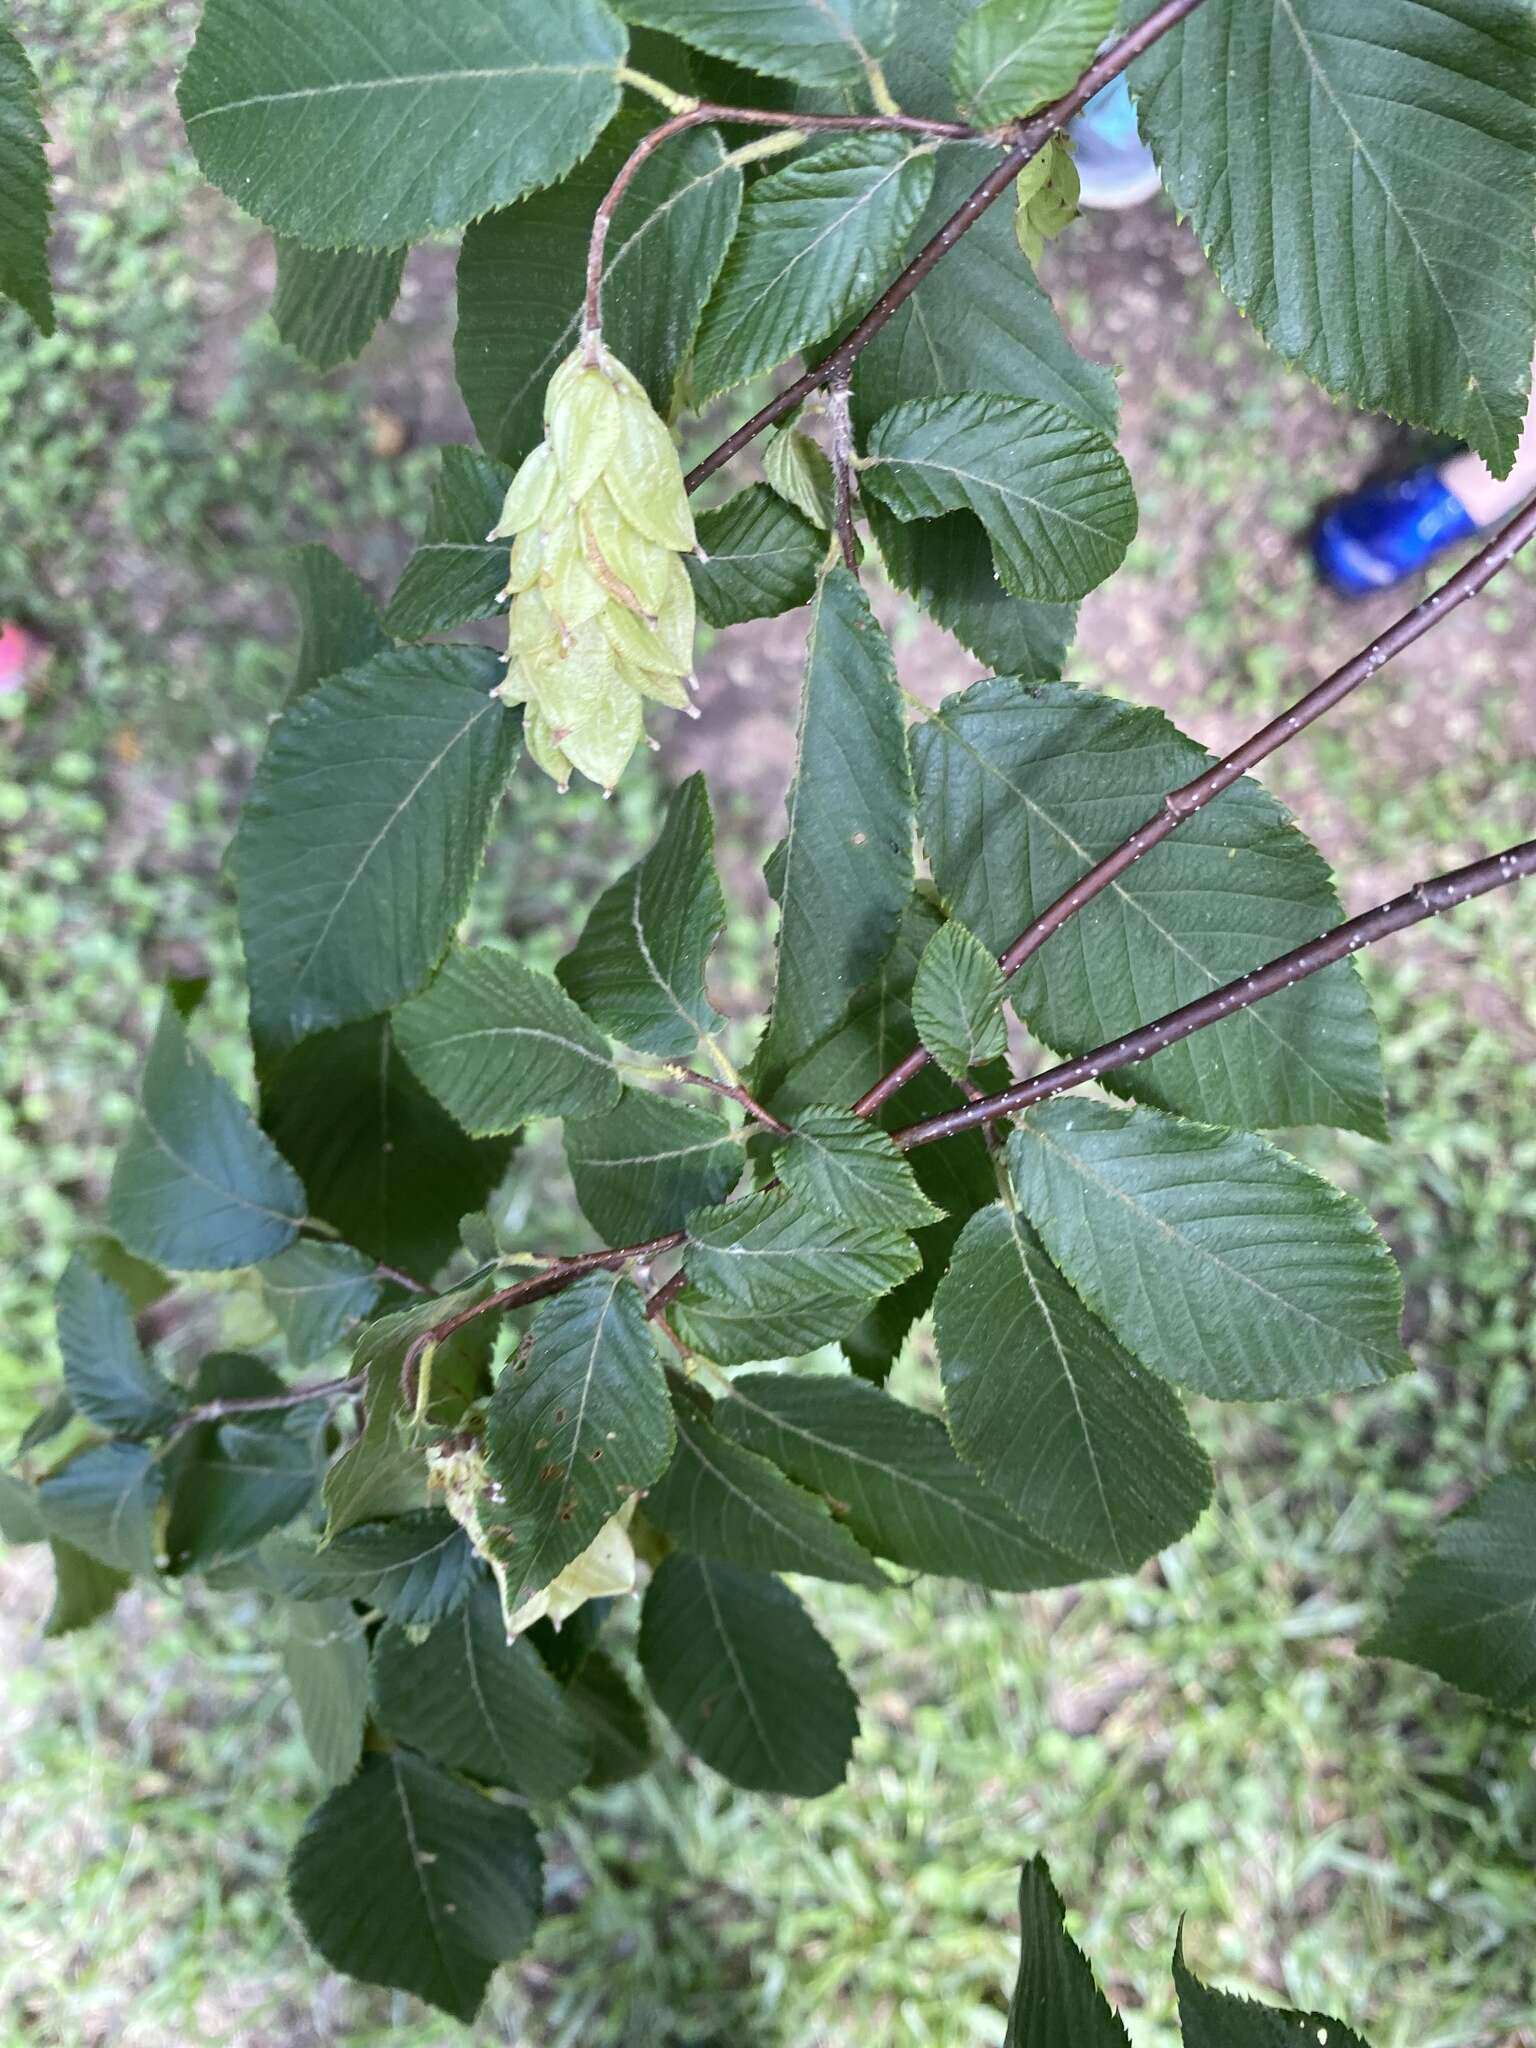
(363, 834)
(817, 241)
(744, 1676)
(84, 1589)
(522, 275)
(639, 1170)
(800, 470)
(957, 1001)
(946, 565)
(1056, 2002)
(613, 1718)
(495, 1043)
(1467, 1610)
(1011, 56)
(339, 624)
(1022, 788)
(106, 1374)
(1060, 1422)
(329, 301)
(1054, 497)
(232, 1482)
(1216, 1258)
(344, 126)
(316, 1292)
(380, 1473)
(760, 558)
(21, 1519)
(409, 1877)
(894, 1477)
(918, 68)
(456, 575)
(814, 42)
(735, 1333)
(1217, 2019)
(325, 1660)
(579, 1423)
(415, 1567)
(844, 1166)
(103, 1501)
(470, 1699)
(1400, 272)
(198, 1185)
(25, 198)
(720, 1500)
(638, 967)
(846, 870)
(772, 1251)
(380, 1161)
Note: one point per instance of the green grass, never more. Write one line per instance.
(1202, 1739)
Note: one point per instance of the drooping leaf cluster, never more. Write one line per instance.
(451, 1528)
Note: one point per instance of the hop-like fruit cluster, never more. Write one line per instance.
(602, 609)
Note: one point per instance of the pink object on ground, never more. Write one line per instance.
(17, 648)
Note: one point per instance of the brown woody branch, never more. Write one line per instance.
(1182, 804)
(1423, 900)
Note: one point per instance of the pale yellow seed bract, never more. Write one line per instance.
(646, 480)
(640, 643)
(584, 430)
(528, 494)
(639, 563)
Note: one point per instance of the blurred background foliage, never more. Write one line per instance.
(1201, 1739)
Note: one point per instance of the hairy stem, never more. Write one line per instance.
(1182, 804)
(1424, 900)
(839, 412)
(1032, 136)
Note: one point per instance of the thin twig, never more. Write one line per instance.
(400, 1279)
(295, 1397)
(1182, 804)
(1033, 135)
(1425, 899)
(735, 1091)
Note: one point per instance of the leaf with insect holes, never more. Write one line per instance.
(845, 871)
(1056, 2001)
(325, 1660)
(1060, 1422)
(466, 1696)
(455, 575)
(495, 1042)
(103, 1501)
(1215, 1257)
(846, 1167)
(817, 241)
(578, 1424)
(744, 1676)
(329, 301)
(1467, 1610)
(640, 1169)
(415, 1567)
(759, 558)
(1218, 2019)
(1054, 497)
(106, 1374)
(817, 43)
(25, 198)
(407, 1876)
(522, 276)
(363, 833)
(1021, 788)
(199, 1186)
(638, 967)
(1012, 56)
(957, 1001)
(720, 1500)
(1401, 271)
(893, 1472)
(346, 125)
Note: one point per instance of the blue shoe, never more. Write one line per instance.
(1387, 532)
(1113, 163)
